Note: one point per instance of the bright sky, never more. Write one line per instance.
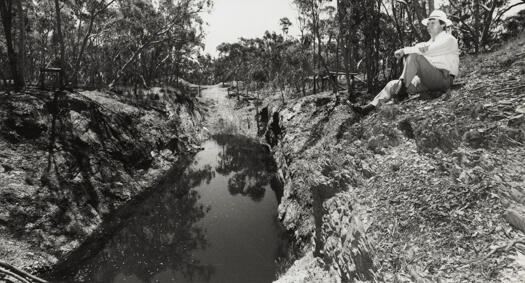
(231, 19)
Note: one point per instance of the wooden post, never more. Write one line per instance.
(42, 78)
(351, 88)
(61, 43)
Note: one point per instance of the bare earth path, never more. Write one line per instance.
(223, 117)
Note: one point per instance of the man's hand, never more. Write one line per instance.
(399, 54)
(423, 49)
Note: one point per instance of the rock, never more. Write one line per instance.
(475, 138)
(516, 218)
(4, 217)
(102, 158)
(406, 128)
(309, 269)
(516, 121)
(153, 154)
(166, 153)
(517, 195)
(366, 170)
(396, 166)
(345, 241)
(89, 137)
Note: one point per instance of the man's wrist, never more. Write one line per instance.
(409, 50)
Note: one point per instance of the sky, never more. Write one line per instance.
(231, 19)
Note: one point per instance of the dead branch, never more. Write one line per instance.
(504, 248)
(9, 269)
(13, 275)
(510, 88)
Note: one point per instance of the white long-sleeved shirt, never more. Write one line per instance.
(442, 53)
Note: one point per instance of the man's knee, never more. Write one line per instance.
(387, 91)
(392, 83)
(392, 86)
(413, 57)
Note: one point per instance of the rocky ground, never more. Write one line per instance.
(70, 159)
(429, 190)
(226, 114)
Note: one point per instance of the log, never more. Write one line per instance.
(10, 270)
(516, 217)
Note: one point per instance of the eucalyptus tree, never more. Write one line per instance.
(12, 14)
(86, 12)
(285, 24)
(101, 42)
(479, 23)
(151, 27)
(314, 11)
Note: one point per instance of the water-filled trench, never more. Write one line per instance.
(217, 222)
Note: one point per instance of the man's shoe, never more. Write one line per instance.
(401, 94)
(363, 110)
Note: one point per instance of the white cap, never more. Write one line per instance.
(438, 15)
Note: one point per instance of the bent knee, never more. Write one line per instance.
(414, 56)
(389, 89)
(392, 83)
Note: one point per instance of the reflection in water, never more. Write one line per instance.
(158, 238)
(198, 228)
(251, 163)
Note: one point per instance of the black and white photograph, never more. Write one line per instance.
(259, 141)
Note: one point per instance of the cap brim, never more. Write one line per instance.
(446, 21)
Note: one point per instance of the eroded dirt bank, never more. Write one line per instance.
(69, 160)
(424, 190)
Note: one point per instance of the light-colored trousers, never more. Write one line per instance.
(419, 75)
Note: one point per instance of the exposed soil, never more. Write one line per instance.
(429, 190)
(69, 160)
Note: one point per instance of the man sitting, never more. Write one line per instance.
(428, 66)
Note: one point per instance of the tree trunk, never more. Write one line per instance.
(347, 32)
(487, 23)
(94, 13)
(303, 87)
(336, 87)
(411, 21)
(476, 25)
(371, 45)
(320, 60)
(120, 72)
(314, 77)
(431, 6)
(82, 48)
(61, 43)
(6, 9)
(4, 80)
(21, 43)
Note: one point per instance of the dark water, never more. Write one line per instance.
(216, 223)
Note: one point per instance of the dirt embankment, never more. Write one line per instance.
(429, 189)
(68, 160)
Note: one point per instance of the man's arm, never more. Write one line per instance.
(418, 48)
(441, 46)
(408, 50)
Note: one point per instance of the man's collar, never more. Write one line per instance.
(442, 33)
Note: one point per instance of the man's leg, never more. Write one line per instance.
(386, 93)
(418, 75)
(431, 77)
(414, 65)
(416, 86)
